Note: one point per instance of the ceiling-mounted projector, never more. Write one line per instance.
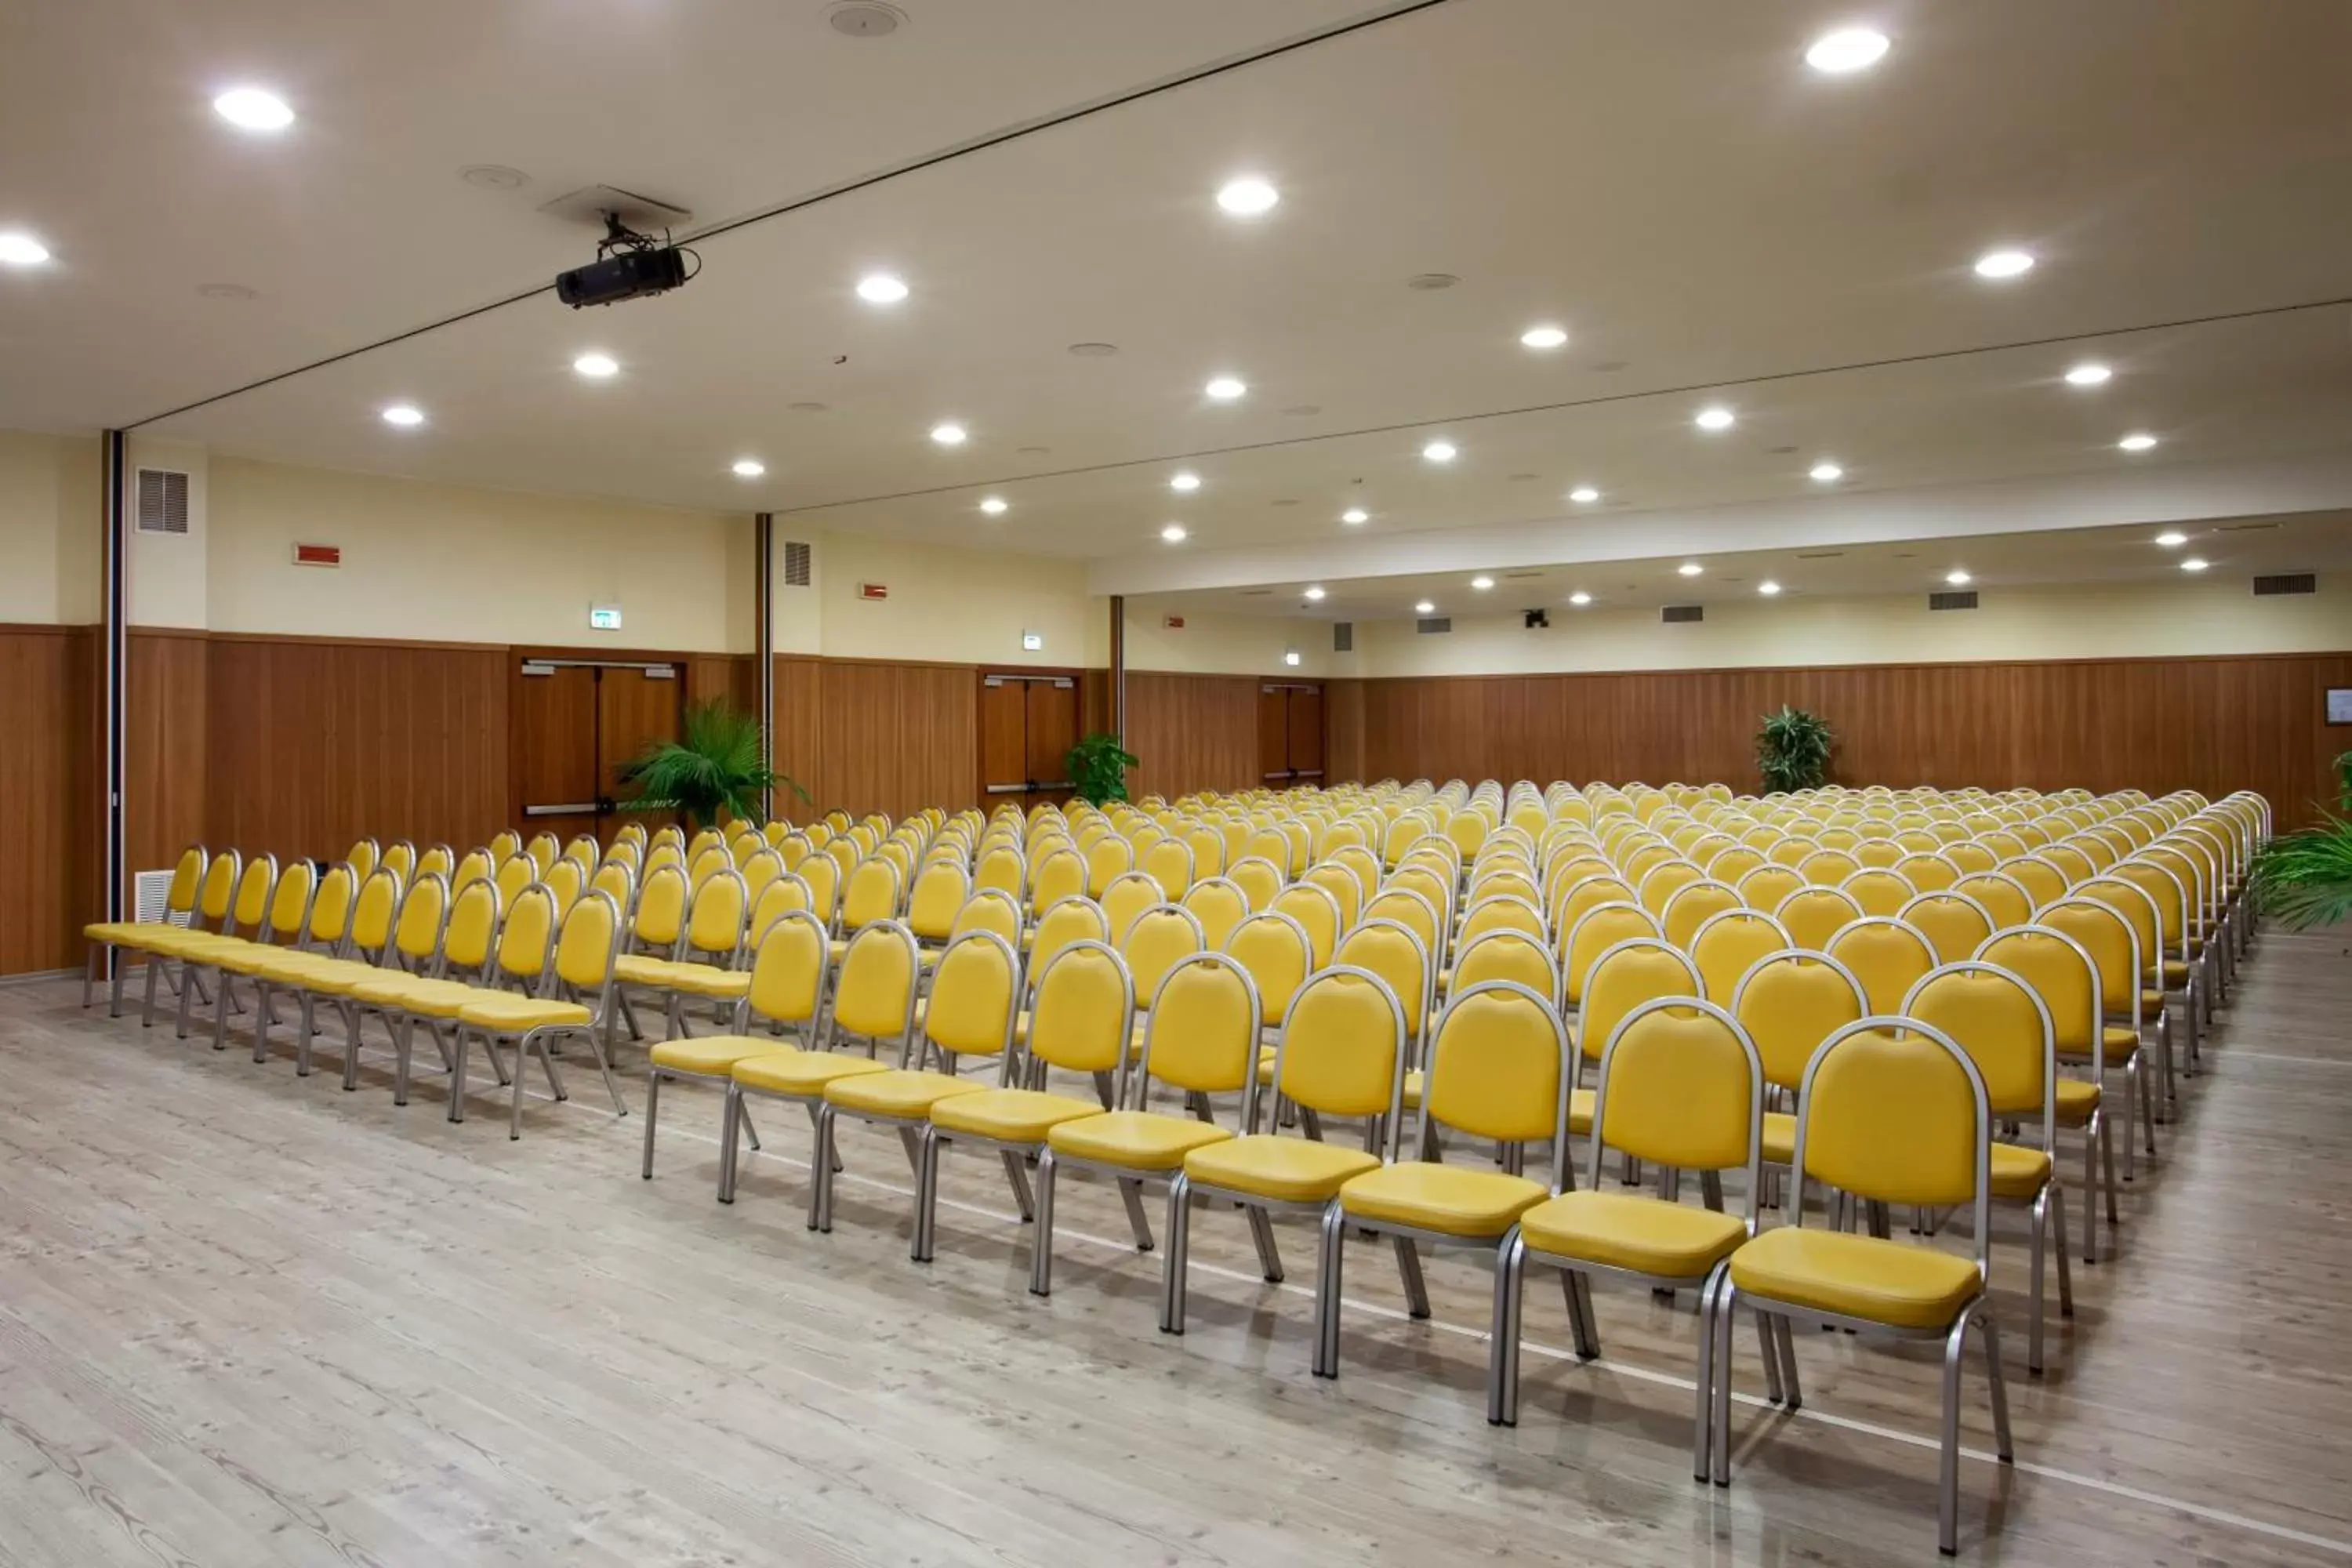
(629, 265)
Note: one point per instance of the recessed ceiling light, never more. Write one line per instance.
(1579, 598)
(2194, 563)
(1225, 388)
(881, 288)
(1185, 482)
(2172, 539)
(2088, 373)
(1314, 593)
(749, 467)
(1173, 533)
(407, 415)
(1846, 50)
(2004, 264)
(493, 177)
(1247, 196)
(1584, 495)
(1355, 514)
(1689, 569)
(1826, 473)
(595, 366)
(994, 506)
(948, 435)
(251, 109)
(1767, 587)
(1440, 451)
(2137, 441)
(18, 250)
(1425, 607)
(1956, 578)
(1716, 418)
(1482, 584)
(1544, 337)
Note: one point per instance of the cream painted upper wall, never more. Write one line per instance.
(2084, 622)
(952, 606)
(450, 565)
(1230, 644)
(50, 530)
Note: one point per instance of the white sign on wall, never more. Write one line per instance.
(604, 617)
(1032, 642)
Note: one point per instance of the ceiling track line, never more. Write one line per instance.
(1398, 8)
(1450, 420)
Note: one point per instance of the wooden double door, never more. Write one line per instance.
(1289, 733)
(577, 724)
(1028, 722)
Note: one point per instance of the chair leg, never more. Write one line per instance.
(1503, 1338)
(1948, 1481)
(1768, 1343)
(1580, 1315)
(2058, 1248)
(88, 974)
(457, 1050)
(731, 1123)
(1786, 1339)
(1017, 1176)
(1702, 1431)
(1131, 1194)
(154, 967)
(1416, 1290)
(1329, 1259)
(119, 972)
(1179, 1243)
(820, 1216)
(187, 989)
(352, 1020)
(1041, 1239)
(1269, 1255)
(403, 1039)
(2139, 1074)
(2034, 1272)
(652, 1102)
(1726, 1303)
(1998, 1381)
(927, 1194)
(220, 1013)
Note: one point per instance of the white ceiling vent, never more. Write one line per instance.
(162, 501)
(796, 564)
(864, 19)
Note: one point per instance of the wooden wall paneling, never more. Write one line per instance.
(734, 677)
(1004, 733)
(800, 698)
(1192, 732)
(871, 735)
(44, 780)
(1052, 729)
(166, 761)
(1343, 730)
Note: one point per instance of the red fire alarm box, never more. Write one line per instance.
(317, 555)
(874, 590)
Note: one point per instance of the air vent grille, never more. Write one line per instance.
(796, 564)
(150, 898)
(162, 501)
(1343, 636)
(2286, 583)
(1675, 614)
(1430, 625)
(1954, 599)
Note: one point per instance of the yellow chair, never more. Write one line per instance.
(2129, 903)
(940, 891)
(1260, 879)
(1412, 909)
(1927, 870)
(274, 911)
(1876, 890)
(989, 909)
(1891, 1110)
(1789, 1002)
(2001, 1023)
(411, 953)
(975, 991)
(1681, 1086)
(1954, 924)
(2004, 899)
(785, 991)
(1220, 905)
(1081, 1016)
(1729, 944)
(1347, 892)
(2066, 977)
(1814, 915)
(1692, 905)
(1127, 895)
(474, 865)
(871, 894)
(1169, 863)
(433, 994)
(576, 1002)
(1317, 911)
(565, 880)
(1060, 874)
(1277, 955)
(244, 908)
(1074, 919)
(1768, 887)
(705, 963)
(504, 845)
(1342, 1053)
(351, 955)
(1154, 941)
(1507, 955)
(1499, 1068)
(543, 850)
(320, 936)
(1596, 931)
(105, 937)
(1886, 956)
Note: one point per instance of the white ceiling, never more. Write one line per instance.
(1711, 220)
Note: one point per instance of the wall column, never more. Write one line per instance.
(1119, 664)
(763, 643)
(114, 665)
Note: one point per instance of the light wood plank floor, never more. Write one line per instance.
(248, 1320)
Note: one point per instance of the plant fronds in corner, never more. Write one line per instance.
(713, 767)
(2304, 880)
(1099, 767)
(1792, 750)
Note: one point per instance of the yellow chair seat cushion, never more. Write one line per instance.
(2077, 1098)
(2174, 973)
(2121, 1041)
(802, 1074)
(426, 998)
(176, 941)
(1010, 1115)
(256, 958)
(2019, 1171)
(905, 1094)
(715, 1056)
(327, 976)
(131, 932)
(1629, 1231)
(1900, 1284)
(710, 980)
(642, 969)
(1579, 1111)
(1779, 1139)
(1134, 1139)
(1453, 1200)
(1285, 1170)
(2151, 1001)
(517, 1013)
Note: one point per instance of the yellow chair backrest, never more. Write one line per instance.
(330, 909)
(1692, 907)
(374, 910)
(1827, 868)
(1953, 923)
(289, 901)
(2133, 906)
(822, 873)
(251, 905)
(1930, 873)
(940, 891)
(1682, 1085)
(781, 896)
(1507, 956)
(1083, 1011)
(423, 908)
(990, 910)
(1208, 847)
(2002, 897)
(1789, 1002)
(871, 894)
(708, 864)
(1879, 854)
(788, 971)
(2069, 858)
(583, 850)
(708, 838)
(1886, 956)
(1203, 1030)
(438, 858)
(526, 934)
(1317, 912)
(1971, 856)
(474, 867)
(1661, 881)
(2062, 972)
(1626, 974)
(715, 922)
(1502, 912)
(2001, 1024)
(187, 877)
(1074, 919)
(1393, 952)
(661, 908)
(1346, 890)
(762, 867)
(974, 994)
(1499, 1065)
(504, 845)
(1107, 856)
(1155, 940)
(1877, 890)
(1897, 1116)
(1277, 954)
(472, 935)
(1814, 915)
(1129, 894)
(1572, 901)
(1168, 862)
(1342, 1050)
(1410, 909)
(1728, 944)
(1260, 879)
(1598, 930)
(1002, 868)
(874, 995)
(565, 881)
(1061, 874)
(1219, 905)
(584, 947)
(616, 882)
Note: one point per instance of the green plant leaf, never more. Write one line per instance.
(2304, 880)
(1099, 767)
(1792, 750)
(712, 769)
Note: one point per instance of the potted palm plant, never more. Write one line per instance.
(1099, 767)
(713, 767)
(1792, 750)
(2304, 880)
